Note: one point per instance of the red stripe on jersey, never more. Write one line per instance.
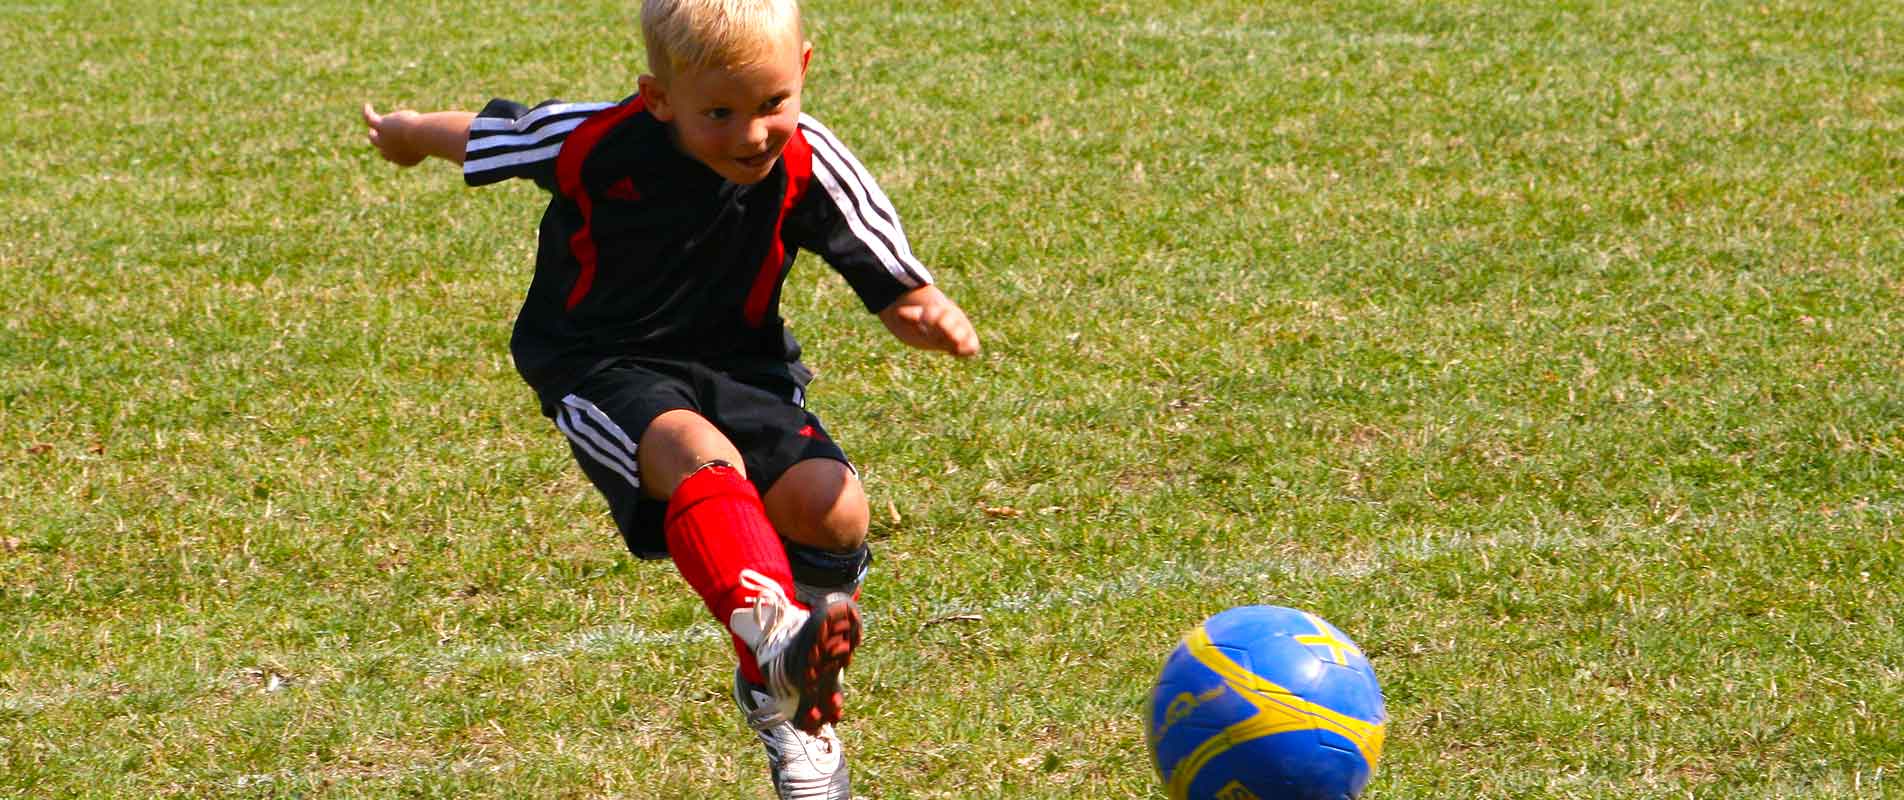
(568, 176)
(798, 158)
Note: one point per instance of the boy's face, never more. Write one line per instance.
(735, 120)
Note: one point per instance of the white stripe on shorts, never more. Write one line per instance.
(594, 433)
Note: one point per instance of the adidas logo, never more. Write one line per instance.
(623, 189)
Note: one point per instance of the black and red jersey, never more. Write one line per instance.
(645, 251)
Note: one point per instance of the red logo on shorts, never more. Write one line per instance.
(812, 433)
(623, 189)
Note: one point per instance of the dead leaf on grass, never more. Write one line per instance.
(269, 680)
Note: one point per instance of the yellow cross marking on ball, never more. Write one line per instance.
(1278, 710)
(1324, 638)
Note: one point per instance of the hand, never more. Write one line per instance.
(388, 135)
(925, 318)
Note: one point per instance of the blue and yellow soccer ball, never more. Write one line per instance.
(1266, 703)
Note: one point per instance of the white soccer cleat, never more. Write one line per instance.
(804, 766)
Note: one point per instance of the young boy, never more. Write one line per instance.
(652, 337)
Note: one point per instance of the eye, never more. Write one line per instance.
(773, 104)
(717, 114)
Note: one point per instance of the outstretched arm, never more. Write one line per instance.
(925, 318)
(405, 138)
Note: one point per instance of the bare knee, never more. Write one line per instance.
(819, 503)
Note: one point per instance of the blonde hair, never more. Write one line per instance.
(697, 34)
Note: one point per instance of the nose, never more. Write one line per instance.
(760, 130)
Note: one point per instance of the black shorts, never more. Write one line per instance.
(761, 410)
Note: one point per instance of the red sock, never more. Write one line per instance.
(716, 527)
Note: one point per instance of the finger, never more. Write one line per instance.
(951, 320)
(965, 341)
(371, 117)
(934, 316)
(945, 335)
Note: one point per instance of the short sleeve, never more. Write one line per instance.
(510, 140)
(846, 220)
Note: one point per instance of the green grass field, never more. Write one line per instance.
(1551, 349)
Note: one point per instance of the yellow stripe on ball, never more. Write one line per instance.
(1278, 710)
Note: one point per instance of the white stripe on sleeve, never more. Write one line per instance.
(501, 147)
(518, 158)
(868, 212)
(524, 122)
(492, 141)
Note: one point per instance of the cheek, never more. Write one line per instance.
(702, 138)
(783, 125)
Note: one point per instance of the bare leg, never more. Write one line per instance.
(675, 445)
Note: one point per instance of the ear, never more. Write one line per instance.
(806, 56)
(654, 94)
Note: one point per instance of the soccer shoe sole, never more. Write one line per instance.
(823, 649)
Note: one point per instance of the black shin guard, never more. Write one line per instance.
(817, 572)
